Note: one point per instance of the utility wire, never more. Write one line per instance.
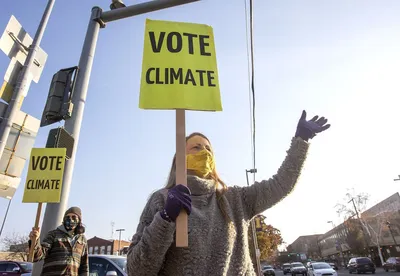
(252, 86)
(251, 77)
(252, 103)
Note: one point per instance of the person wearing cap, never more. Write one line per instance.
(64, 250)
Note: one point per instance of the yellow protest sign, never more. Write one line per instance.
(45, 174)
(179, 69)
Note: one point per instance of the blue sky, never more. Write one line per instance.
(340, 59)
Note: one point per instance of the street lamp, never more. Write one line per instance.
(116, 4)
(119, 243)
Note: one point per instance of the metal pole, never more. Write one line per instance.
(253, 227)
(141, 8)
(119, 243)
(55, 211)
(5, 217)
(23, 79)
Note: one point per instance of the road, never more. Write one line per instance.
(345, 272)
(379, 272)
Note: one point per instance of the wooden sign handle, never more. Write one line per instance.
(181, 178)
(33, 242)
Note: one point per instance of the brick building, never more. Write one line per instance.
(306, 245)
(106, 247)
(348, 238)
(376, 218)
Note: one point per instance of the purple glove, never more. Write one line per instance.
(308, 129)
(178, 198)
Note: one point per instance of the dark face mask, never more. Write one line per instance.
(70, 224)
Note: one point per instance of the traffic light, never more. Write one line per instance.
(117, 4)
(58, 105)
(60, 138)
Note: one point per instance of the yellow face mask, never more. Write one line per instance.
(201, 163)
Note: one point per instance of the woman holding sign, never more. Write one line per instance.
(219, 215)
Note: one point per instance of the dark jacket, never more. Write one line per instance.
(63, 254)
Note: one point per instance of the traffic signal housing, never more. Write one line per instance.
(58, 105)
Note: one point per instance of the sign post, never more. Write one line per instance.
(33, 60)
(179, 72)
(44, 181)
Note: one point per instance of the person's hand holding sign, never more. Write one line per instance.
(34, 234)
(178, 199)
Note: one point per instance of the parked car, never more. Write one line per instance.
(107, 265)
(268, 270)
(393, 263)
(8, 268)
(298, 268)
(99, 265)
(321, 268)
(334, 266)
(286, 268)
(361, 265)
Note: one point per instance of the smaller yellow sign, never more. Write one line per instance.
(179, 69)
(45, 175)
(6, 91)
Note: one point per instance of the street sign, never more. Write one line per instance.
(15, 43)
(10, 80)
(45, 175)
(179, 69)
(13, 70)
(18, 147)
(8, 186)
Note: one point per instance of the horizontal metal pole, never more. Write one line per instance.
(146, 7)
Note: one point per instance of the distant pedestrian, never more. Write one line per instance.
(64, 250)
(219, 215)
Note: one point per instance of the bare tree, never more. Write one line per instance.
(346, 210)
(17, 245)
(349, 209)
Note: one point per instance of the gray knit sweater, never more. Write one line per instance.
(216, 247)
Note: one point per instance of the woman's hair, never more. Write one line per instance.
(213, 175)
